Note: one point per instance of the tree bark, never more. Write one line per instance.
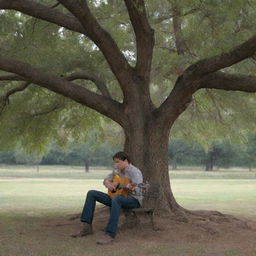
(209, 164)
(174, 164)
(148, 148)
(86, 165)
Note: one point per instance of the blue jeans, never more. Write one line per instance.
(116, 203)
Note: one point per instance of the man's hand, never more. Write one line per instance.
(131, 186)
(109, 185)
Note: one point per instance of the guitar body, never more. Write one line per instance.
(120, 183)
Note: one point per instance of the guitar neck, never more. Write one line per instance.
(121, 186)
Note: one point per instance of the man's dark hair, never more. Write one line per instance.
(122, 156)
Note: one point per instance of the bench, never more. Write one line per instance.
(150, 192)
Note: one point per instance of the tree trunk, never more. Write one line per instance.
(174, 163)
(148, 149)
(250, 167)
(86, 165)
(209, 164)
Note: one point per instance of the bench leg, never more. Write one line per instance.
(151, 216)
(131, 219)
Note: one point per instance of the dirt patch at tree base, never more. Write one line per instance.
(205, 234)
(201, 234)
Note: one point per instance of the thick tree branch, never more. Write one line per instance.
(144, 37)
(178, 100)
(92, 77)
(103, 105)
(205, 71)
(5, 99)
(116, 60)
(43, 12)
(229, 82)
(11, 77)
(181, 95)
(78, 75)
(215, 63)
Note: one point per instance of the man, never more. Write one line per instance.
(131, 198)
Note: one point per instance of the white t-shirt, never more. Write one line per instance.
(135, 175)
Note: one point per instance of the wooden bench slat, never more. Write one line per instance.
(142, 210)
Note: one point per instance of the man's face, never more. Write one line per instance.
(120, 164)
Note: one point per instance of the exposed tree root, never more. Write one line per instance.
(210, 222)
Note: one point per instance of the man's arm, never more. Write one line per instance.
(107, 182)
(137, 178)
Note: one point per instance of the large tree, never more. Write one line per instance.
(146, 122)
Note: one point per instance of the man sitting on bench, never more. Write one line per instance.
(122, 193)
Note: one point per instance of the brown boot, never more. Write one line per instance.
(106, 239)
(86, 230)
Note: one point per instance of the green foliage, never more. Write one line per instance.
(92, 153)
(208, 28)
(36, 117)
(220, 153)
(7, 158)
(22, 157)
(248, 152)
(213, 114)
(182, 153)
(28, 120)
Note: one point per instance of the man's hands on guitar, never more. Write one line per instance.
(109, 185)
(112, 187)
(131, 186)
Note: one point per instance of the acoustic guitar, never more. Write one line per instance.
(120, 184)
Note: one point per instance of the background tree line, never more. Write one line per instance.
(219, 153)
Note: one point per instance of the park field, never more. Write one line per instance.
(31, 202)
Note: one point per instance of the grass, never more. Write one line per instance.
(44, 197)
(77, 172)
(61, 190)
(235, 196)
(220, 174)
(58, 172)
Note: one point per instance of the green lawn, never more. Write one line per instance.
(58, 172)
(52, 192)
(231, 196)
(77, 172)
(35, 197)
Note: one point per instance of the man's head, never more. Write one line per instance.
(121, 160)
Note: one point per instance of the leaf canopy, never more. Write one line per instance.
(35, 117)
